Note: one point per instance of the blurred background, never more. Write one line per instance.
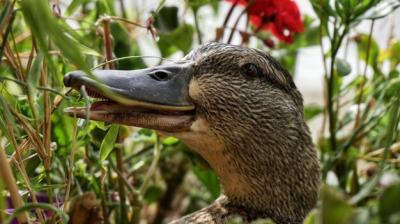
(344, 56)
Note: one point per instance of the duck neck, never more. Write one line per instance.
(277, 181)
(265, 177)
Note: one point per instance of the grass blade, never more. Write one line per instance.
(43, 25)
(31, 206)
(108, 143)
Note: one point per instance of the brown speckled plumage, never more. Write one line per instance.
(263, 153)
(236, 107)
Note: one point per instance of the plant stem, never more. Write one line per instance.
(133, 198)
(173, 177)
(7, 31)
(330, 101)
(19, 163)
(31, 206)
(107, 42)
(153, 166)
(235, 25)
(126, 21)
(2, 202)
(33, 136)
(364, 79)
(227, 17)
(103, 198)
(332, 114)
(125, 58)
(47, 114)
(10, 183)
(244, 41)
(122, 6)
(70, 167)
(196, 23)
(320, 30)
(391, 133)
(121, 189)
(49, 190)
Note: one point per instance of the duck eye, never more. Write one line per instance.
(160, 76)
(250, 70)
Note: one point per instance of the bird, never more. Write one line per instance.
(238, 108)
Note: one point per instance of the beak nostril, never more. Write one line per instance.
(160, 76)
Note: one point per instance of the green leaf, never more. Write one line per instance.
(74, 5)
(124, 46)
(209, 179)
(31, 166)
(167, 19)
(310, 111)
(87, 50)
(196, 4)
(323, 9)
(309, 37)
(343, 68)
(362, 216)
(105, 7)
(380, 10)
(30, 206)
(62, 130)
(43, 26)
(389, 204)
(145, 131)
(392, 87)
(392, 54)
(311, 217)
(109, 141)
(170, 140)
(362, 47)
(337, 84)
(334, 208)
(6, 8)
(180, 39)
(6, 120)
(34, 73)
(153, 194)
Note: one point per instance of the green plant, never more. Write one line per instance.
(55, 159)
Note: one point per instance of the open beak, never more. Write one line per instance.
(155, 98)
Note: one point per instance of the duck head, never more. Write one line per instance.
(237, 107)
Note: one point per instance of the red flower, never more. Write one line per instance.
(281, 17)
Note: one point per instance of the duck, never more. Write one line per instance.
(236, 107)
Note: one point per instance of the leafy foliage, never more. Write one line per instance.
(137, 174)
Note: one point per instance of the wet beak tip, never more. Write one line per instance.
(67, 80)
(70, 77)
